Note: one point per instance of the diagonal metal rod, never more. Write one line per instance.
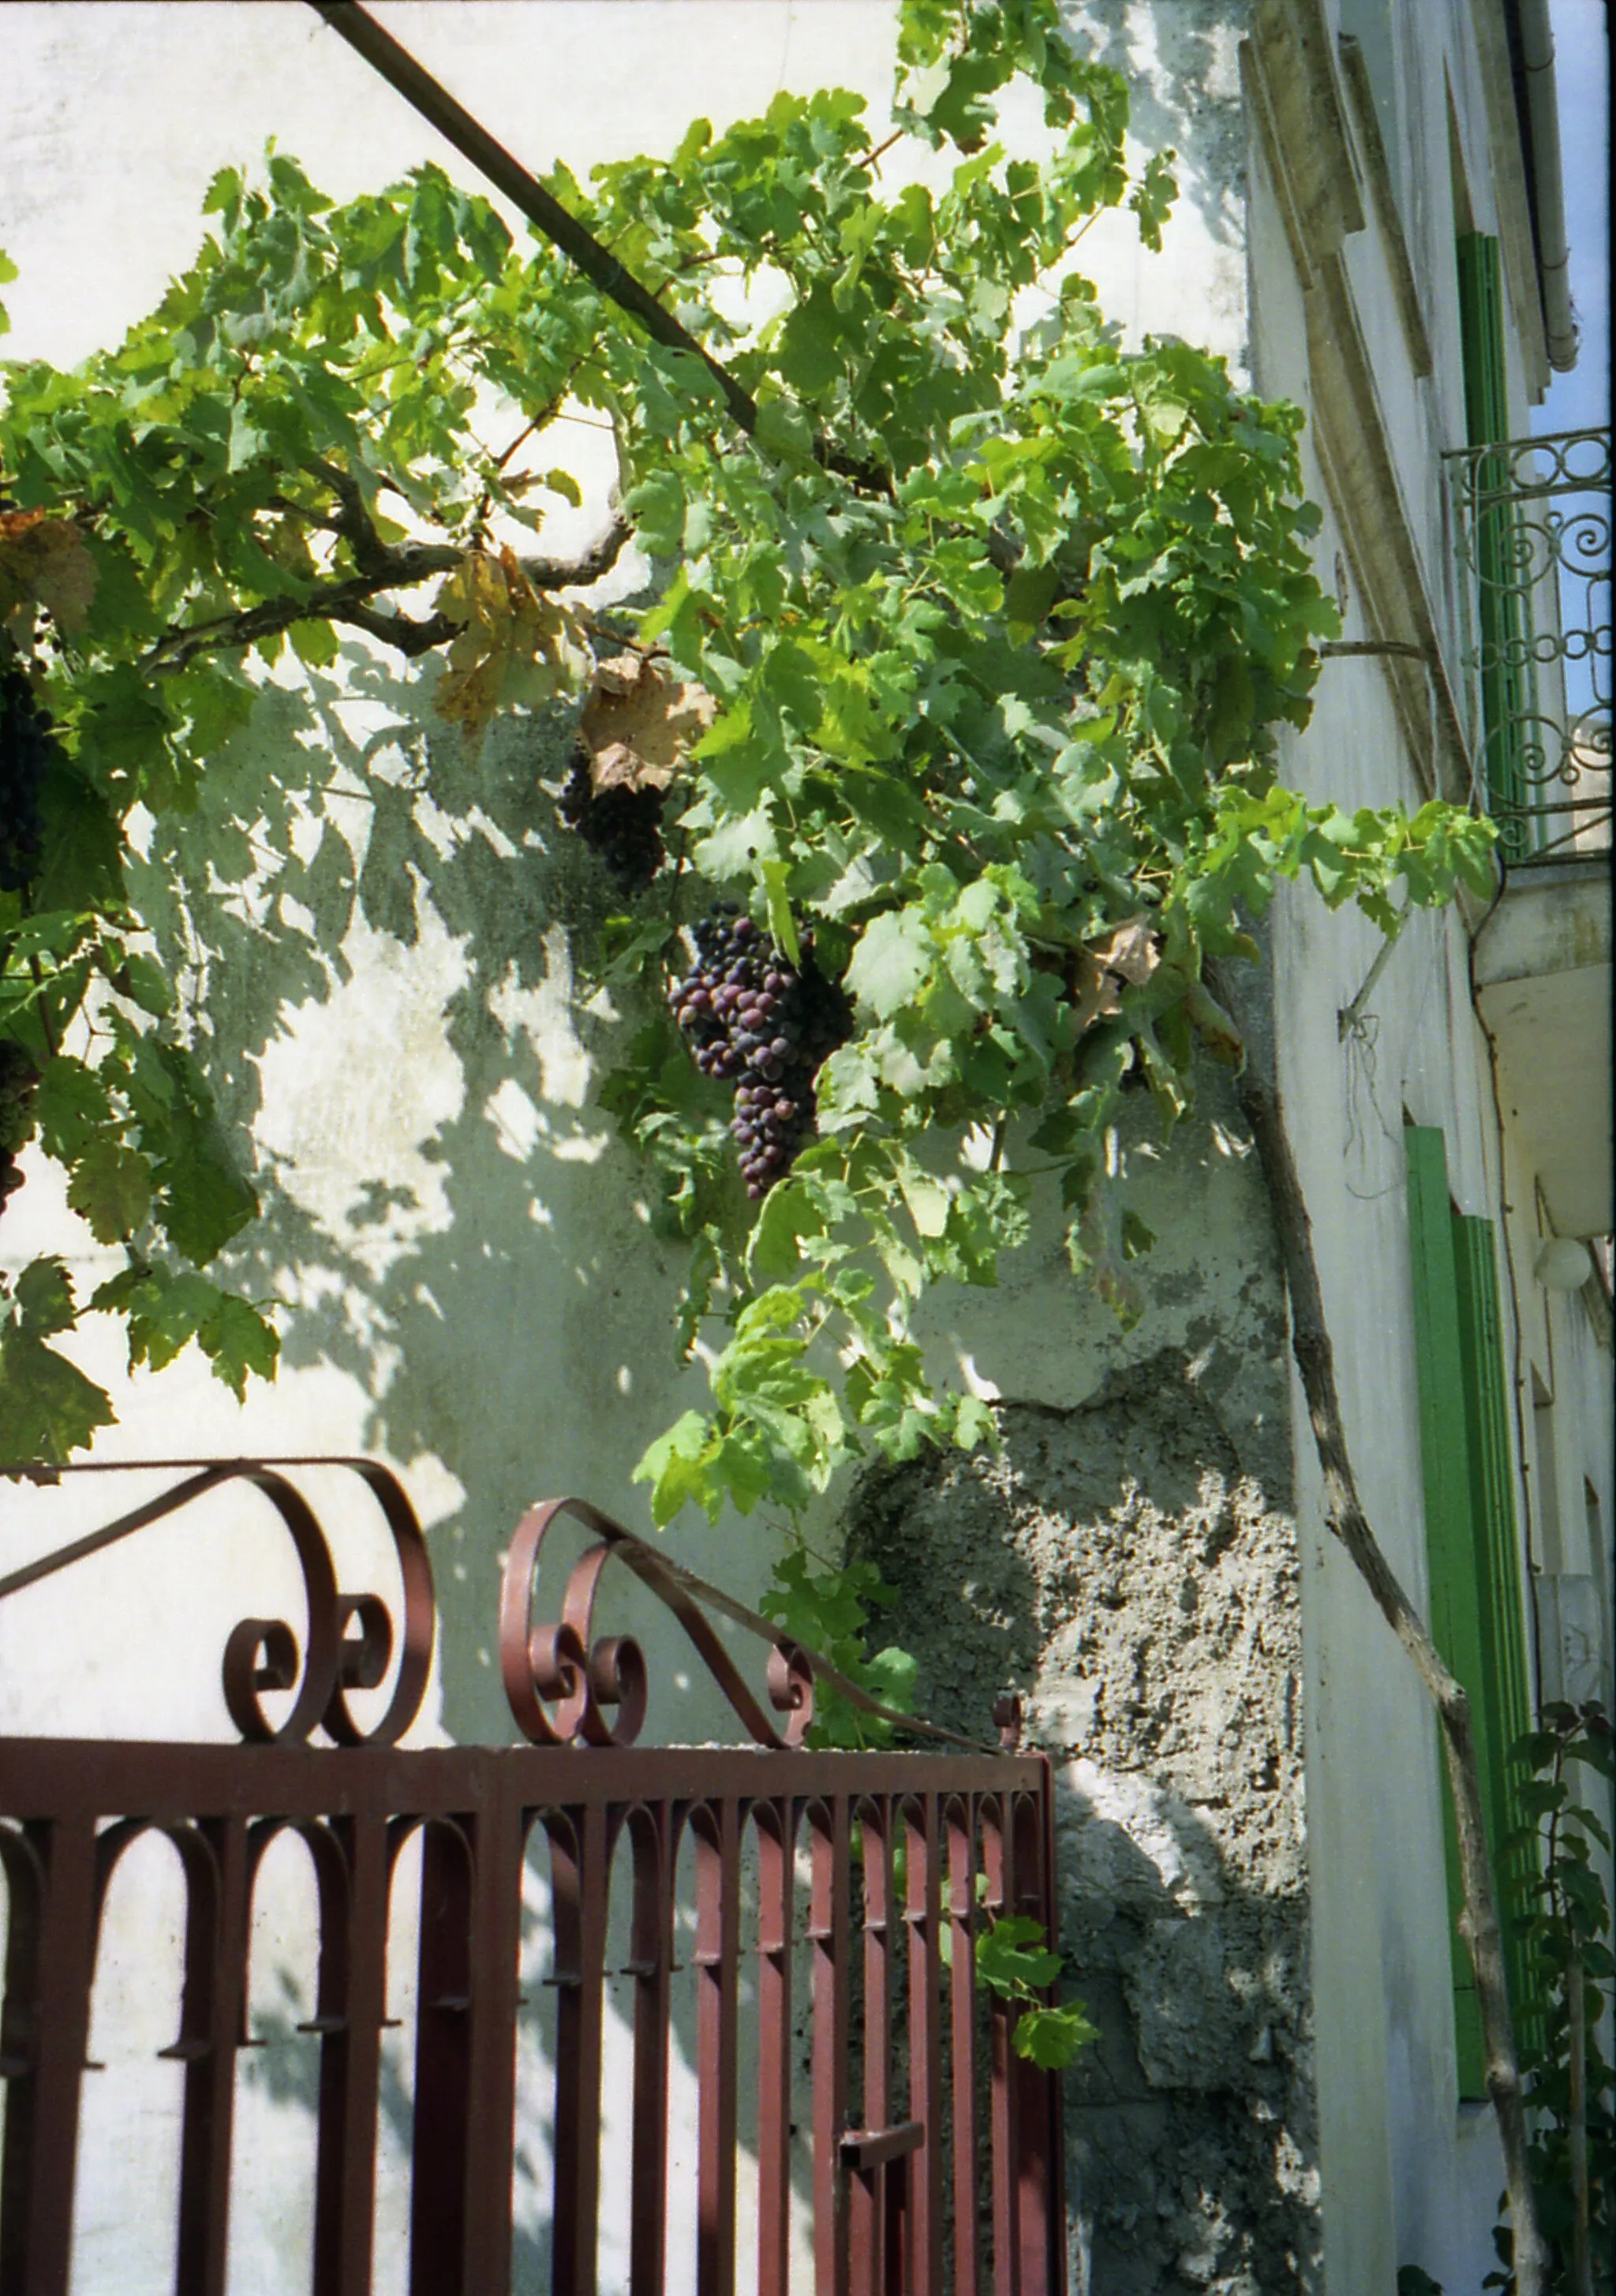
(599, 265)
(453, 122)
(92, 1542)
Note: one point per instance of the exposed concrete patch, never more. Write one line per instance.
(1123, 1564)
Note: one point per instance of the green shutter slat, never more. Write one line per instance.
(1481, 340)
(1455, 1609)
(1505, 1684)
(1507, 675)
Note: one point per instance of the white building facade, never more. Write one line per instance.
(1285, 2094)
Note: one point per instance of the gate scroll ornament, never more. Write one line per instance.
(935, 2148)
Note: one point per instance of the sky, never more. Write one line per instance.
(1582, 399)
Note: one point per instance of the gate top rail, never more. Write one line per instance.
(567, 1686)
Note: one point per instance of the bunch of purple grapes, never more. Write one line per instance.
(26, 748)
(19, 1076)
(750, 1015)
(622, 826)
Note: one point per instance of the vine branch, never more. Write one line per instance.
(1479, 1921)
(382, 568)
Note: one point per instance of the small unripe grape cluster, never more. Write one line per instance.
(19, 1076)
(623, 826)
(25, 747)
(752, 1016)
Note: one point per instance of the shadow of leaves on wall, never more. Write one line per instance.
(380, 930)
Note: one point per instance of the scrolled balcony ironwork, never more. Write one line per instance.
(1532, 538)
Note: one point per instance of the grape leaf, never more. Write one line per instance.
(44, 563)
(112, 1189)
(890, 962)
(637, 724)
(1052, 2037)
(48, 1408)
(1012, 1954)
(42, 1299)
(237, 1339)
(201, 1199)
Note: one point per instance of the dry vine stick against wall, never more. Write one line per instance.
(1479, 1923)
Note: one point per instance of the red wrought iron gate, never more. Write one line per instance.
(867, 1877)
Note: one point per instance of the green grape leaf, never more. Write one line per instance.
(48, 1408)
(893, 957)
(237, 1339)
(112, 1189)
(42, 1299)
(1052, 2038)
(1013, 1957)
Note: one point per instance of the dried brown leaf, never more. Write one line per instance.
(638, 723)
(1094, 992)
(44, 563)
(1133, 952)
(512, 644)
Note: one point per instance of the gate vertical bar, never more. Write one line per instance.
(716, 1959)
(494, 1975)
(921, 1911)
(22, 1868)
(204, 2183)
(1029, 1884)
(774, 1831)
(961, 1972)
(354, 1936)
(828, 1936)
(651, 1961)
(440, 2163)
(1007, 2225)
(580, 1892)
(66, 1952)
(868, 2214)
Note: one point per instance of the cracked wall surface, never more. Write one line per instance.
(1131, 1565)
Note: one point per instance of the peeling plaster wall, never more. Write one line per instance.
(1129, 1559)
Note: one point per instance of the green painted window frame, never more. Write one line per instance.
(1508, 684)
(1478, 1616)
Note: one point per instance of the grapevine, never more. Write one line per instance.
(964, 655)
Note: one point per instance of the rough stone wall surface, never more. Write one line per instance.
(1123, 1564)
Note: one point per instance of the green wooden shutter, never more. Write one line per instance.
(1455, 1611)
(1506, 1686)
(1476, 1611)
(1507, 681)
(1481, 340)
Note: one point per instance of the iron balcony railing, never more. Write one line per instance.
(1532, 537)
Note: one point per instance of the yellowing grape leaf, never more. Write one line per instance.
(1094, 992)
(1132, 952)
(638, 723)
(44, 563)
(513, 645)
